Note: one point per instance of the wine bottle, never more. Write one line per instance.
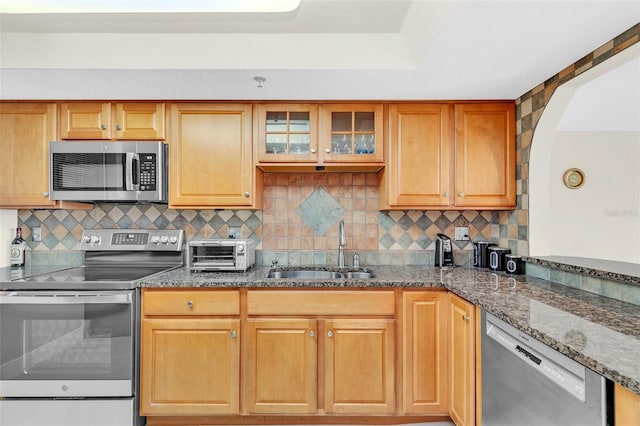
(18, 249)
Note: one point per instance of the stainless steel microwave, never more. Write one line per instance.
(108, 171)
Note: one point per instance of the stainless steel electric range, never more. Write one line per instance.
(69, 340)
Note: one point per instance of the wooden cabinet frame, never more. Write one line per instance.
(305, 355)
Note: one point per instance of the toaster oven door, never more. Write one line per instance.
(213, 257)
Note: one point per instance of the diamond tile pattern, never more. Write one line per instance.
(320, 211)
(299, 222)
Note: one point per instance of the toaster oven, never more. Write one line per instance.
(221, 255)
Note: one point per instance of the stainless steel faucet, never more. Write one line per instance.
(341, 244)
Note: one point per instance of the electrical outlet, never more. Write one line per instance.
(36, 234)
(235, 232)
(462, 233)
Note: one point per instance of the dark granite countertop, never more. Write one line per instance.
(625, 272)
(601, 333)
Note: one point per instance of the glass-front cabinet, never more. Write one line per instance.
(352, 133)
(287, 133)
(303, 135)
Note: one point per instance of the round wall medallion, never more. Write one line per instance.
(573, 178)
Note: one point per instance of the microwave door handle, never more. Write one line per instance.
(132, 171)
(75, 299)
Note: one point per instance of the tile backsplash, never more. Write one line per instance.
(298, 224)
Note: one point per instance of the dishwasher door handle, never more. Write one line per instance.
(529, 355)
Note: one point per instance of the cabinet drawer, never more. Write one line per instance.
(190, 302)
(312, 302)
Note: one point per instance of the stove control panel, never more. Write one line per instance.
(132, 239)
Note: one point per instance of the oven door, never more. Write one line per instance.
(67, 344)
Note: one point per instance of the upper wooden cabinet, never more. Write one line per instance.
(25, 132)
(107, 120)
(340, 137)
(418, 165)
(450, 156)
(485, 155)
(210, 157)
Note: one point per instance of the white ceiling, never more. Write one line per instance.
(326, 49)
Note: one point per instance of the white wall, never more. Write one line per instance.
(602, 218)
(592, 123)
(8, 224)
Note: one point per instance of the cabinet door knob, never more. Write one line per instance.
(190, 303)
(103, 127)
(445, 194)
(327, 150)
(465, 317)
(233, 334)
(312, 333)
(118, 127)
(246, 194)
(46, 194)
(330, 333)
(313, 150)
(460, 194)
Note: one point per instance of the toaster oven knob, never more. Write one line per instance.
(240, 248)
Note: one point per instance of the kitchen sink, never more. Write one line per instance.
(318, 274)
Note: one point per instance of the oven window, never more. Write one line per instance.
(66, 341)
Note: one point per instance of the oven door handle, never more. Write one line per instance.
(14, 298)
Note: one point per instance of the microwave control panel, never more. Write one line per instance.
(147, 172)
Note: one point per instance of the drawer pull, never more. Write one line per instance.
(330, 333)
(189, 303)
(233, 334)
(312, 333)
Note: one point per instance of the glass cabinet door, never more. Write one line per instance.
(353, 133)
(287, 133)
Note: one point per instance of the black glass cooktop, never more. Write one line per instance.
(100, 273)
(88, 277)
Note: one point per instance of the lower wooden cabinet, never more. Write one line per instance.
(359, 365)
(229, 355)
(281, 355)
(424, 352)
(627, 407)
(190, 360)
(462, 338)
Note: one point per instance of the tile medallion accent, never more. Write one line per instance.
(320, 211)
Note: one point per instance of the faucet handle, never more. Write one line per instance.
(274, 263)
(356, 260)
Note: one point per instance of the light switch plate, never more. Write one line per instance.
(462, 233)
(36, 234)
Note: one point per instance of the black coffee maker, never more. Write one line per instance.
(444, 251)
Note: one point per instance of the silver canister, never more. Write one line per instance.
(497, 259)
(514, 264)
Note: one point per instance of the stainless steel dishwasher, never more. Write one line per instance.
(527, 383)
